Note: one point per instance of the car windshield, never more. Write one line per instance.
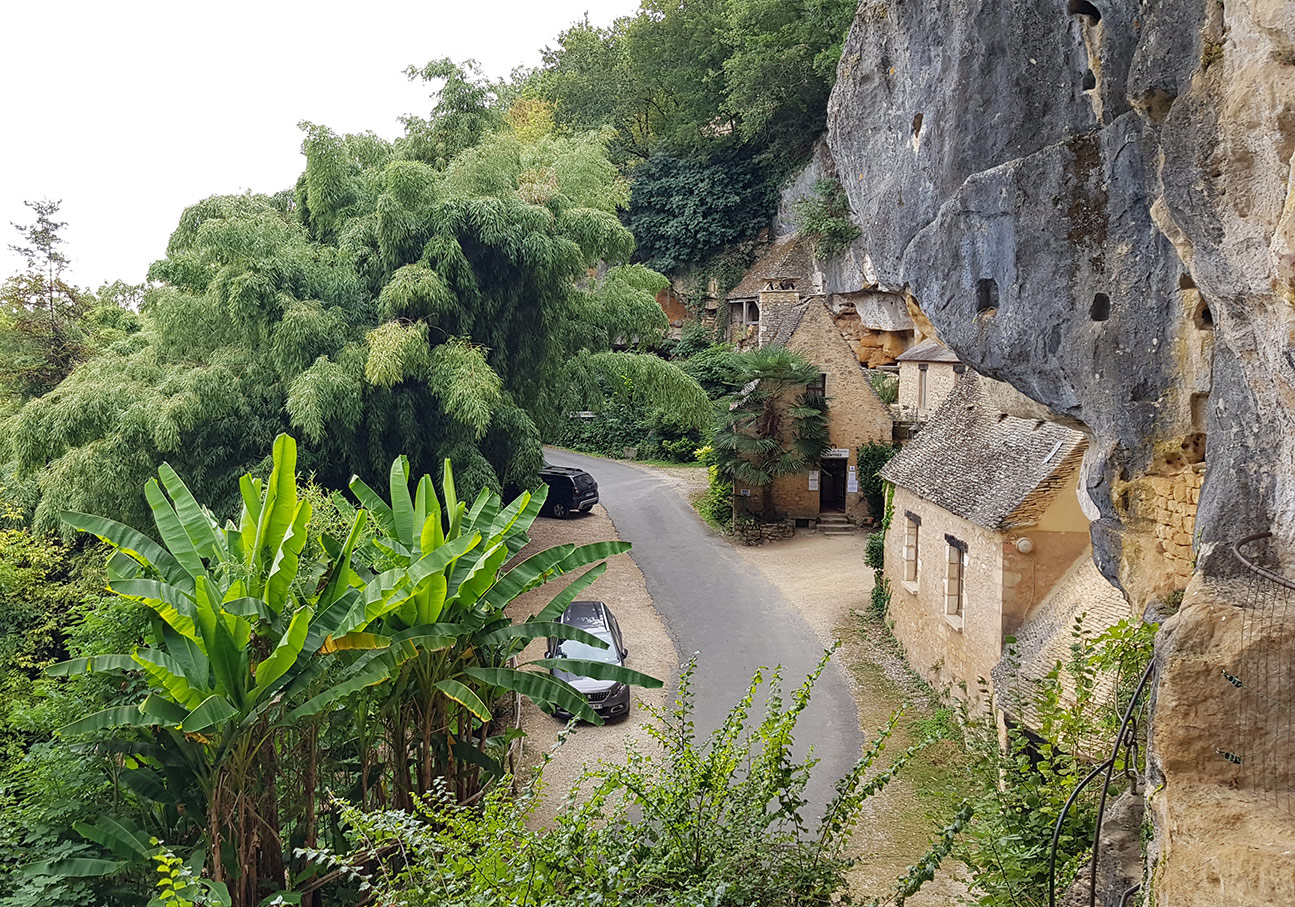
(570, 648)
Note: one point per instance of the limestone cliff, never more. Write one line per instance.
(1093, 201)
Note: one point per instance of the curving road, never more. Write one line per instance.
(714, 604)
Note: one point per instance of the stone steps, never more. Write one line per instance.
(834, 524)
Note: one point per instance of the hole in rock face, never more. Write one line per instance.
(1089, 81)
(1084, 8)
(917, 125)
(1185, 282)
(986, 294)
(1203, 318)
(1101, 308)
(1193, 447)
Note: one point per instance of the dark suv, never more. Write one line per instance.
(570, 489)
(606, 697)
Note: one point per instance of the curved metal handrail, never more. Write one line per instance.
(1121, 739)
(1265, 573)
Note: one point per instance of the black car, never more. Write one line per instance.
(570, 489)
(608, 698)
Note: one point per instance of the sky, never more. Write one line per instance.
(131, 111)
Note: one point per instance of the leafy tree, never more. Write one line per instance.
(772, 428)
(684, 209)
(440, 310)
(41, 334)
(825, 218)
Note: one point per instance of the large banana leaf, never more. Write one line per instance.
(377, 508)
(537, 687)
(197, 525)
(166, 672)
(213, 710)
(122, 839)
(402, 507)
(171, 530)
(174, 604)
(563, 599)
(535, 628)
(464, 697)
(91, 665)
(538, 567)
(287, 560)
(117, 716)
(284, 656)
(132, 542)
(74, 867)
(280, 506)
(598, 670)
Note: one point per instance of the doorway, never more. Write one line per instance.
(831, 495)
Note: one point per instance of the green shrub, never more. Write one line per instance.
(689, 821)
(875, 553)
(886, 387)
(879, 599)
(872, 457)
(825, 218)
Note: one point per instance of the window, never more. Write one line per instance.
(921, 387)
(955, 589)
(912, 527)
(817, 392)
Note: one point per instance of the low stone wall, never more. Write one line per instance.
(753, 534)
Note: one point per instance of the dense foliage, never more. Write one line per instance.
(1019, 791)
(711, 103)
(281, 660)
(872, 457)
(686, 76)
(689, 821)
(450, 294)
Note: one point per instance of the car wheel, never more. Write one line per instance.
(560, 511)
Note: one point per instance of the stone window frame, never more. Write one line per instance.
(816, 392)
(922, 368)
(955, 580)
(912, 562)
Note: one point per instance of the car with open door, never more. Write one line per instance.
(610, 699)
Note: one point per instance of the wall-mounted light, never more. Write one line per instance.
(1024, 545)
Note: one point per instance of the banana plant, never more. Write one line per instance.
(441, 720)
(243, 625)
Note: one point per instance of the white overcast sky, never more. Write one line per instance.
(131, 111)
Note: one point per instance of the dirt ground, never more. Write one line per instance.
(650, 651)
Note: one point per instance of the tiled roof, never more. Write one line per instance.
(790, 257)
(995, 470)
(928, 351)
(1047, 636)
(790, 323)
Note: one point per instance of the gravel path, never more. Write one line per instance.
(651, 652)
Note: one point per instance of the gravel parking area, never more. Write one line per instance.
(650, 648)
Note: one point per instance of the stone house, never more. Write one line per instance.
(986, 524)
(927, 373)
(876, 326)
(855, 416)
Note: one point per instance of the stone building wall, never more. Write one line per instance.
(940, 378)
(942, 652)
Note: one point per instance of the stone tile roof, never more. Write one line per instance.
(790, 323)
(1046, 638)
(928, 351)
(995, 470)
(791, 257)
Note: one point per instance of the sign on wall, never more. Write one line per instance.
(837, 453)
(813, 480)
(852, 480)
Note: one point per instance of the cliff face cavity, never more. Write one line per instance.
(1092, 200)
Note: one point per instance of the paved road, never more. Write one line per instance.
(714, 604)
